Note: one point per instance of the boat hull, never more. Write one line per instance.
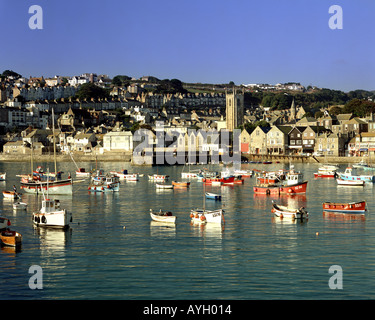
(164, 186)
(285, 212)
(325, 175)
(213, 196)
(270, 190)
(54, 187)
(342, 182)
(11, 194)
(163, 218)
(294, 189)
(215, 216)
(351, 207)
(56, 219)
(181, 184)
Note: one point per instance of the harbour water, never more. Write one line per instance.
(114, 251)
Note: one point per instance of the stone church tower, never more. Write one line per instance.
(234, 110)
(293, 111)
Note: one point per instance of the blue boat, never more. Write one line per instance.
(213, 196)
(102, 183)
(350, 174)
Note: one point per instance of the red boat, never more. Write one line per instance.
(350, 207)
(294, 183)
(292, 189)
(225, 180)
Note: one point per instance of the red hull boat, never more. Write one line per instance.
(351, 207)
(292, 189)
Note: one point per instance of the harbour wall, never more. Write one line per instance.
(128, 157)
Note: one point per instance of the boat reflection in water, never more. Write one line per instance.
(342, 216)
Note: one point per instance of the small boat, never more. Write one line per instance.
(157, 177)
(360, 164)
(216, 216)
(19, 205)
(196, 218)
(350, 207)
(124, 175)
(294, 183)
(163, 216)
(213, 196)
(343, 182)
(105, 183)
(10, 238)
(81, 172)
(180, 184)
(11, 194)
(326, 171)
(51, 215)
(286, 212)
(223, 180)
(4, 223)
(3, 176)
(164, 186)
(350, 174)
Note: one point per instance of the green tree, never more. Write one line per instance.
(90, 90)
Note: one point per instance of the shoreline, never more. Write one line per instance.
(127, 157)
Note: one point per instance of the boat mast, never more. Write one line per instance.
(54, 142)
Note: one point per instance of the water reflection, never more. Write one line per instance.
(341, 216)
(162, 229)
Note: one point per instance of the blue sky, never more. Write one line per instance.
(208, 41)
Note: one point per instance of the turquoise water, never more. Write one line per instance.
(114, 251)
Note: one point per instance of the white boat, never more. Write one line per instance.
(19, 205)
(81, 172)
(163, 216)
(214, 196)
(3, 176)
(51, 215)
(11, 194)
(164, 186)
(343, 182)
(286, 212)
(157, 177)
(214, 216)
(124, 175)
(360, 164)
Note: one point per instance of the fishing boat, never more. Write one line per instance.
(20, 205)
(104, 183)
(81, 172)
(162, 216)
(180, 184)
(11, 194)
(268, 177)
(3, 176)
(10, 238)
(354, 183)
(286, 212)
(326, 171)
(164, 186)
(294, 183)
(51, 215)
(213, 196)
(349, 207)
(351, 174)
(4, 223)
(244, 173)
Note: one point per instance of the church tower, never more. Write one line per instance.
(234, 110)
(293, 111)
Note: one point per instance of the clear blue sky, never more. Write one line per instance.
(208, 41)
